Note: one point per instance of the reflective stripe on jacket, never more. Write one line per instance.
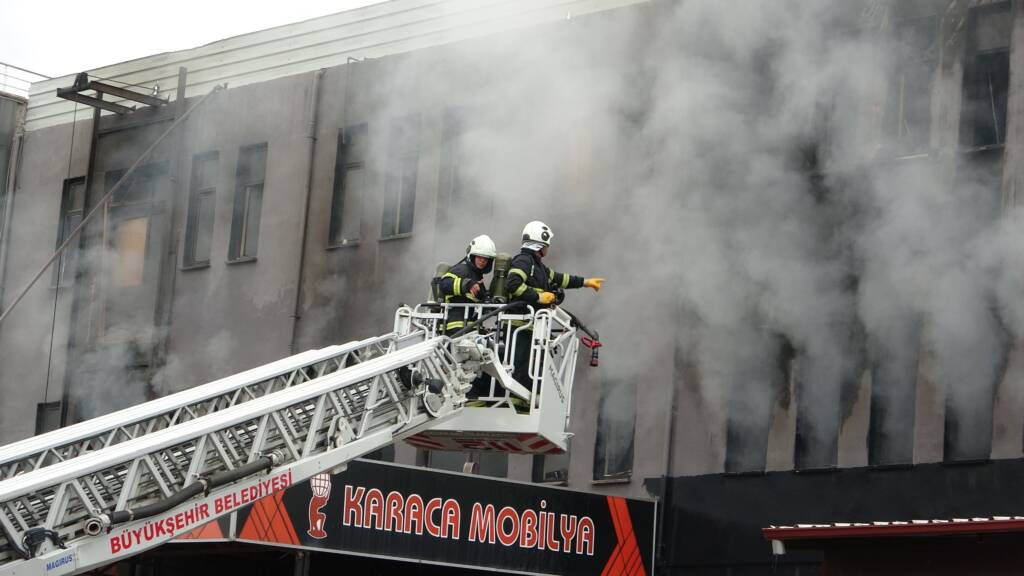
(528, 277)
(455, 287)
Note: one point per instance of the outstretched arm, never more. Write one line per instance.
(569, 281)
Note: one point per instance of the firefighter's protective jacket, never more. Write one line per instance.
(456, 287)
(528, 277)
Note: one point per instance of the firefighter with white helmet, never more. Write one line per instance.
(531, 281)
(464, 282)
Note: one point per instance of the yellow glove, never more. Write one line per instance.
(594, 283)
(546, 298)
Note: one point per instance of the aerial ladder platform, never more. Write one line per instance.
(100, 491)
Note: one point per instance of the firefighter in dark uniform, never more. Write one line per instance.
(531, 281)
(464, 282)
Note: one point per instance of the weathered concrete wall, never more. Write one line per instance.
(226, 317)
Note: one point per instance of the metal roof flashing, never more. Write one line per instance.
(915, 528)
(374, 31)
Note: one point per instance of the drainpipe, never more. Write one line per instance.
(666, 486)
(311, 124)
(169, 256)
(78, 293)
(665, 498)
(8, 203)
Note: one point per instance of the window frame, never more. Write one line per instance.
(60, 270)
(41, 409)
(910, 60)
(601, 472)
(403, 161)
(539, 474)
(973, 53)
(135, 199)
(344, 165)
(197, 190)
(246, 181)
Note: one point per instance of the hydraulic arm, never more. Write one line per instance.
(94, 493)
(104, 502)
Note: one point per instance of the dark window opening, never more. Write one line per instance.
(443, 460)
(551, 468)
(971, 370)
(818, 408)
(908, 111)
(616, 423)
(493, 464)
(132, 249)
(47, 417)
(72, 209)
(138, 189)
(970, 382)
(400, 185)
(979, 184)
(349, 186)
(757, 377)
(202, 198)
(986, 76)
(131, 209)
(248, 205)
(893, 360)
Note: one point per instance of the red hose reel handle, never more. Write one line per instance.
(593, 345)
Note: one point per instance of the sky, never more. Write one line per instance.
(62, 37)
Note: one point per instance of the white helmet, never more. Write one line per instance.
(482, 245)
(538, 231)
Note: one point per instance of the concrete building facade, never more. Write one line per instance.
(300, 205)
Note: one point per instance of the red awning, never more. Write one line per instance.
(955, 526)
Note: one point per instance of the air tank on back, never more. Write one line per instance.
(435, 283)
(499, 285)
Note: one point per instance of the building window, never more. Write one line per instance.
(47, 417)
(908, 114)
(349, 186)
(132, 217)
(131, 207)
(400, 185)
(441, 460)
(72, 209)
(551, 468)
(757, 375)
(493, 464)
(616, 419)
(970, 374)
(818, 408)
(202, 197)
(893, 359)
(245, 217)
(129, 238)
(986, 76)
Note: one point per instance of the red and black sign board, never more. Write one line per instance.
(426, 515)
(218, 530)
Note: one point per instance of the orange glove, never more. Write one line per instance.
(546, 298)
(594, 283)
